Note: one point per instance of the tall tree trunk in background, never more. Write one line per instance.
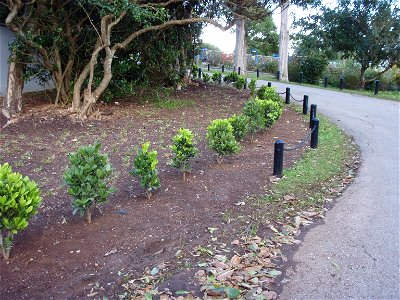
(362, 76)
(284, 41)
(240, 47)
(15, 83)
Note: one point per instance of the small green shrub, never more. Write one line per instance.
(269, 93)
(239, 125)
(195, 70)
(252, 86)
(217, 77)
(231, 77)
(272, 111)
(19, 200)
(87, 179)
(239, 83)
(221, 139)
(184, 149)
(206, 77)
(145, 167)
(255, 113)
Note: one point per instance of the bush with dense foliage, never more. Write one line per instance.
(252, 86)
(313, 67)
(239, 125)
(239, 83)
(19, 200)
(255, 114)
(272, 111)
(145, 167)
(206, 77)
(217, 77)
(220, 137)
(231, 77)
(183, 149)
(87, 178)
(269, 93)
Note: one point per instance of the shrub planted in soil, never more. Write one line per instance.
(231, 77)
(272, 111)
(221, 139)
(239, 83)
(255, 113)
(145, 167)
(206, 77)
(216, 77)
(269, 93)
(87, 179)
(252, 86)
(19, 201)
(239, 124)
(184, 149)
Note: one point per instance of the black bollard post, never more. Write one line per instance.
(376, 87)
(305, 104)
(287, 96)
(278, 75)
(269, 84)
(313, 113)
(314, 134)
(341, 83)
(208, 67)
(245, 85)
(238, 70)
(325, 81)
(258, 73)
(199, 73)
(278, 157)
(223, 68)
(301, 77)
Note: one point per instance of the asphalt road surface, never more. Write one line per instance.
(354, 254)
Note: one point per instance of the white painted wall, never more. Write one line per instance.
(6, 36)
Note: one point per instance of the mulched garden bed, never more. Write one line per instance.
(59, 256)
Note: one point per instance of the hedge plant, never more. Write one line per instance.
(269, 93)
(19, 201)
(240, 126)
(255, 113)
(206, 77)
(239, 83)
(221, 139)
(272, 111)
(184, 149)
(145, 167)
(217, 77)
(252, 86)
(231, 77)
(87, 179)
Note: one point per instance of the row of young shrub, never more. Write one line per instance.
(233, 77)
(89, 173)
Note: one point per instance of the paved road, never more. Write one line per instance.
(355, 253)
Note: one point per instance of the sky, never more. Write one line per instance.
(226, 40)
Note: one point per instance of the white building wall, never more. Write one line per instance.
(6, 36)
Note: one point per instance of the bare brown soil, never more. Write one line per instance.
(59, 256)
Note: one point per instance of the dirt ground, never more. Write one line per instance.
(59, 256)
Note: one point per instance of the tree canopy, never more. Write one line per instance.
(262, 35)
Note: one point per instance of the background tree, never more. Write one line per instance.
(367, 31)
(262, 35)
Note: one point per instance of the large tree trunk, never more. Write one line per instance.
(15, 83)
(362, 76)
(240, 47)
(284, 42)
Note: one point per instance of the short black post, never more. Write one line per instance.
(278, 157)
(278, 75)
(208, 67)
(223, 68)
(258, 73)
(199, 73)
(287, 96)
(314, 134)
(341, 83)
(245, 84)
(305, 105)
(313, 113)
(325, 81)
(269, 84)
(301, 77)
(238, 70)
(376, 87)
